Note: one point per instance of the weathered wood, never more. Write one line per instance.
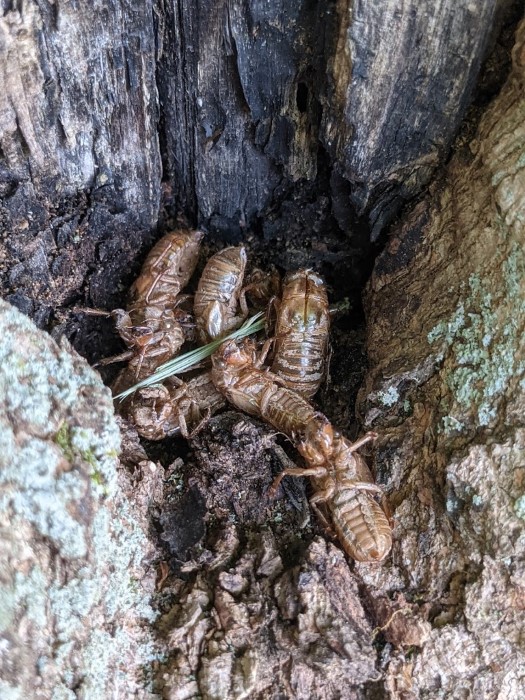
(400, 80)
(251, 88)
(239, 117)
(79, 153)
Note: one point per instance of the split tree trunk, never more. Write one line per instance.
(225, 111)
(259, 122)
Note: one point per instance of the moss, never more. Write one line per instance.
(78, 443)
(480, 343)
(97, 453)
(63, 440)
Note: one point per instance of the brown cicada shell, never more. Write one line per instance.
(301, 332)
(152, 325)
(176, 407)
(219, 292)
(340, 476)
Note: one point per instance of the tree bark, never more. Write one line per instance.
(79, 149)
(381, 90)
(73, 531)
(446, 391)
(256, 111)
(300, 129)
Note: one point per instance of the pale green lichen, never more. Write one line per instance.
(519, 507)
(388, 397)
(122, 594)
(10, 692)
(28, 590)
(58, 476)
(481, 342)
(452, 425)
(80, 443)
(63, 694)
(36, 489)
(447, 330)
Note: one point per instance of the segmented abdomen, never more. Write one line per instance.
(301, 364)
(301, 332)
(287, 411)
(221, 278)
(361, 524)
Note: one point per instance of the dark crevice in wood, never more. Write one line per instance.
(301, 97)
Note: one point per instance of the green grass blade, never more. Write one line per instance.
(183, 363)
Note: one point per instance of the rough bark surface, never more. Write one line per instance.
(382, 88)
(446, 391)
(80, 162)
(258, 610)
(73, 621)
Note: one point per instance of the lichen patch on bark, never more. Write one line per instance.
(73, 621)
(446, 392)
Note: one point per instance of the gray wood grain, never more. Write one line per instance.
(257, 111)
(80, 162)
(252, 90)
(401, 78)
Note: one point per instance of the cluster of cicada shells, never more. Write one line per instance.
(274, 382)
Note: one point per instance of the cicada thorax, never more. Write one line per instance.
(316, 441)
(301, 332)
(219, 292)
(262, 287)
(236, 377)
(154, 335)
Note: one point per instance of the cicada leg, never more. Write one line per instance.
(123, 357)
(317, 472)
(322, 497)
